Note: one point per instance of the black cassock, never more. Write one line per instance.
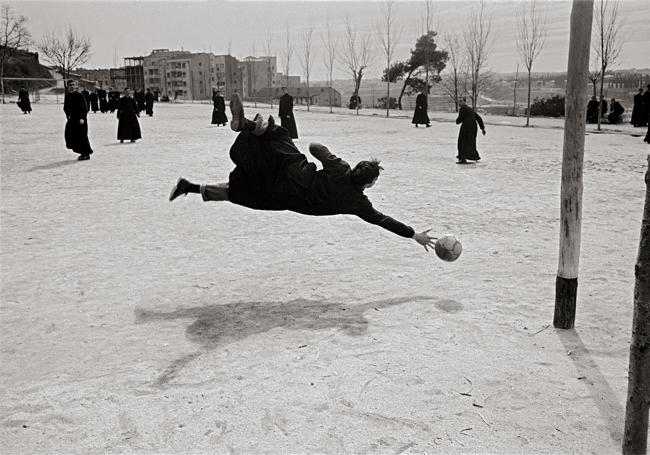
(219, 111)
(468, 119)
(128, 127)
(76, 134)
(148, 103)
(616, 110)
(420, 116)
(592, 111)
(286, 115)
(94, 102)
(23, 101)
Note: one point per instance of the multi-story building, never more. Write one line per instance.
(225, 75)
(134, 72)
(101, 78)
(118, 79)
(191, 76)
(257, 73)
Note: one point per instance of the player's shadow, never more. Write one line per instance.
(215, 325)
(46, 167)
(601, 392)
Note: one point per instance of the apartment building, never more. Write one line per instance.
(258, 73)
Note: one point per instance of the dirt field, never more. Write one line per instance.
(135, 325)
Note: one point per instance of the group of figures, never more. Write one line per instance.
(468, 120)
(76, 106)
(285, 112)
(615, 110)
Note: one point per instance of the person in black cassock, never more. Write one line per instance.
(420, 116)
(138, 96)
(468, 119)
(603, 107)
(637, 109)
(592, 110)
(645, 115)
(128, 126)
(76, 128)
(94, 106)
(272, 174)
(103, 102)
(149, 98)
(286, 114)
(86, 95)
(615, 112)
(23, 101)
(219, 116)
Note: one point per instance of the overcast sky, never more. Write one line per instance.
(121, 29)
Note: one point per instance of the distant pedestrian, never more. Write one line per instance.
(219, 116)
(128, 127)
(94, 98)
(286, 114)
(103, 102)
(615, 112)
(637, 109)
(76, 128)
(86, 95)
(420, 115)
(645, 116)
(149, 99)
(468, 119)
(23, 101)
(138, 96)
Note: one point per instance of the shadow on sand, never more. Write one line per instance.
(45, 167)
(601, 393)
(215, 325)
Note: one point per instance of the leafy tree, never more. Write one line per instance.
(412, 70)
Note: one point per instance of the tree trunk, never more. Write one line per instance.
(528, 108)
(566, 284)
(514, 94)
(600, 101)
(635, 438)
(2, 80)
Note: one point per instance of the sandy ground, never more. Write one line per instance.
(135, 325)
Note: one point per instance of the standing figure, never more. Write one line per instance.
(138, 96)
(286, 114)
(637, 109)
(592, 110)
(103, 102)
(420, 116)
(76, 128)
(219, 110)
(645, 114)
(128, 126)
(93, 101)
(23, 101)
(355, 102)
(149, 98)
(468, 119)
(615, 112)
(86, 95)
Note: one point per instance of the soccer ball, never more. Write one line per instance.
(448, 248)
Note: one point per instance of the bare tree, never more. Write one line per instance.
(329, 59)
(356, 55)
(286, 54)
(15, 36)
(477, 45)
(531, 34)
(388, 38)
(594, 75)
(66, 53)
(607, 42)
(269, 40)
(307, 58)
(428, 24)
(453, 83)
